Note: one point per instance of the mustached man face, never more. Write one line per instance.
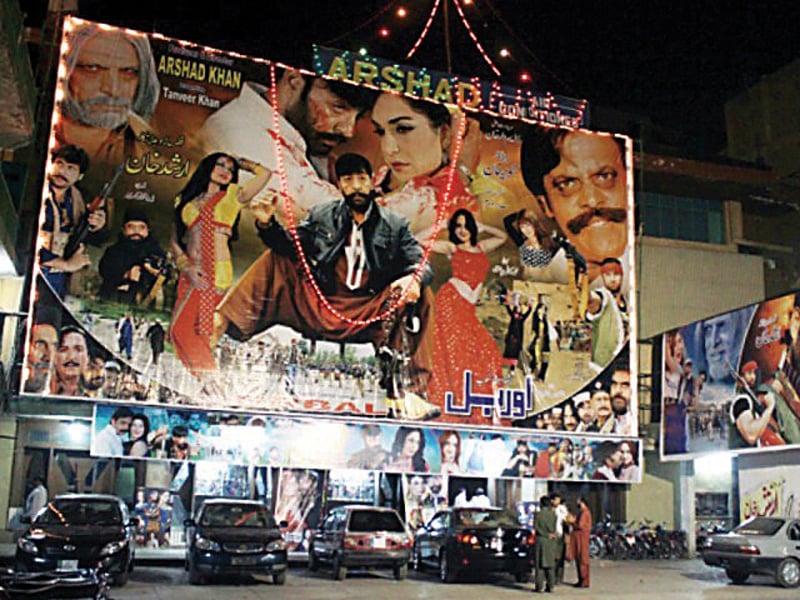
(72, 357)
(586, 195)
(103, 84)
(64, 174)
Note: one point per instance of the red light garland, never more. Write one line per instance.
(425, 29)
(475, 39)
(441, 210)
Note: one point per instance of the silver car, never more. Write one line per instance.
(762, 545)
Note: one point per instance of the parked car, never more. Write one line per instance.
(361, 536)
(476, 540)
(234, 537)
(762, 545)
(81, 583)
(80, 531)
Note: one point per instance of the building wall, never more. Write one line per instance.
(8, 433)
(681, 283)
(763, 124)
(654, 499)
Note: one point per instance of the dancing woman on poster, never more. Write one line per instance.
(206, 213)
(460, 339)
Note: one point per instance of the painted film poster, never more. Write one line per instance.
(731, 382)
(223, 232)
(235, 438)
(769, 492)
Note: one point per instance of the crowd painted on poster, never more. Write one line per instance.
(245, 439)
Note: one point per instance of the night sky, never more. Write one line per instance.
(675, 61)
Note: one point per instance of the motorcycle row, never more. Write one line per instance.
(621, 541)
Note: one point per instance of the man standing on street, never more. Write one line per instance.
(562, 512)
(546, 546)
(36, 498)
(581, 532)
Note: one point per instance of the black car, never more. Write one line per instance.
(234, 537)
(81, 583)
(474, 540)
(80, 531)
(361, 536)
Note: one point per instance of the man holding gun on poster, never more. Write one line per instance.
(61, 252)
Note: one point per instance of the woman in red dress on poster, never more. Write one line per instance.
(206, 213)
(460, 341)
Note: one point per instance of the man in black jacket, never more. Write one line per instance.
(131, 265)
(363, 259)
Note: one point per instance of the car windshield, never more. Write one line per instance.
(485, 518)
(760, 526)
(81, 512)
(362, 521)
(236, 515)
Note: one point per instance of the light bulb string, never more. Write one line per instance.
(441, 210)
(475, 40)
(424, 29)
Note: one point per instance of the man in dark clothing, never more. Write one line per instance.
(362, 258)
(64, 209)
(130, 266)
(155, 334)
(546, 546)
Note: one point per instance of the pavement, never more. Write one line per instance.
(159, 578)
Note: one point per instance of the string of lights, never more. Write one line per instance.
(475, 40)
(424, 29)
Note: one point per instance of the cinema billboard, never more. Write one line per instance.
(357, 239)
(730, 382)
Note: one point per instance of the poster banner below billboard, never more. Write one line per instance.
(732, 382)
(148, 432)
(235, 234)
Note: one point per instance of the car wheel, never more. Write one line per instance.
(401, 571)
(195, 577)
(313, 561)
(788, 573)
(339, 570)
(522, 576)
(446, 572)
(279, 578)
(737, 577)
(120, 579)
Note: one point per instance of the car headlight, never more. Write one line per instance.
(205, 544)
(276, 545)
(28, 546)
(113, 548)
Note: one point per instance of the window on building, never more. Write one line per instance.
(680, 218)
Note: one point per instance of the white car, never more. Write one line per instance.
(762, 545)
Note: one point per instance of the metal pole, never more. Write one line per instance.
(447, 35)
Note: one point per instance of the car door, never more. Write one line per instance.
(435, 537)
(793, 533)
(322, 538)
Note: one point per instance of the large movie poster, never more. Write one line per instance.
(227, 233)
(731, 382)
(153, 432)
